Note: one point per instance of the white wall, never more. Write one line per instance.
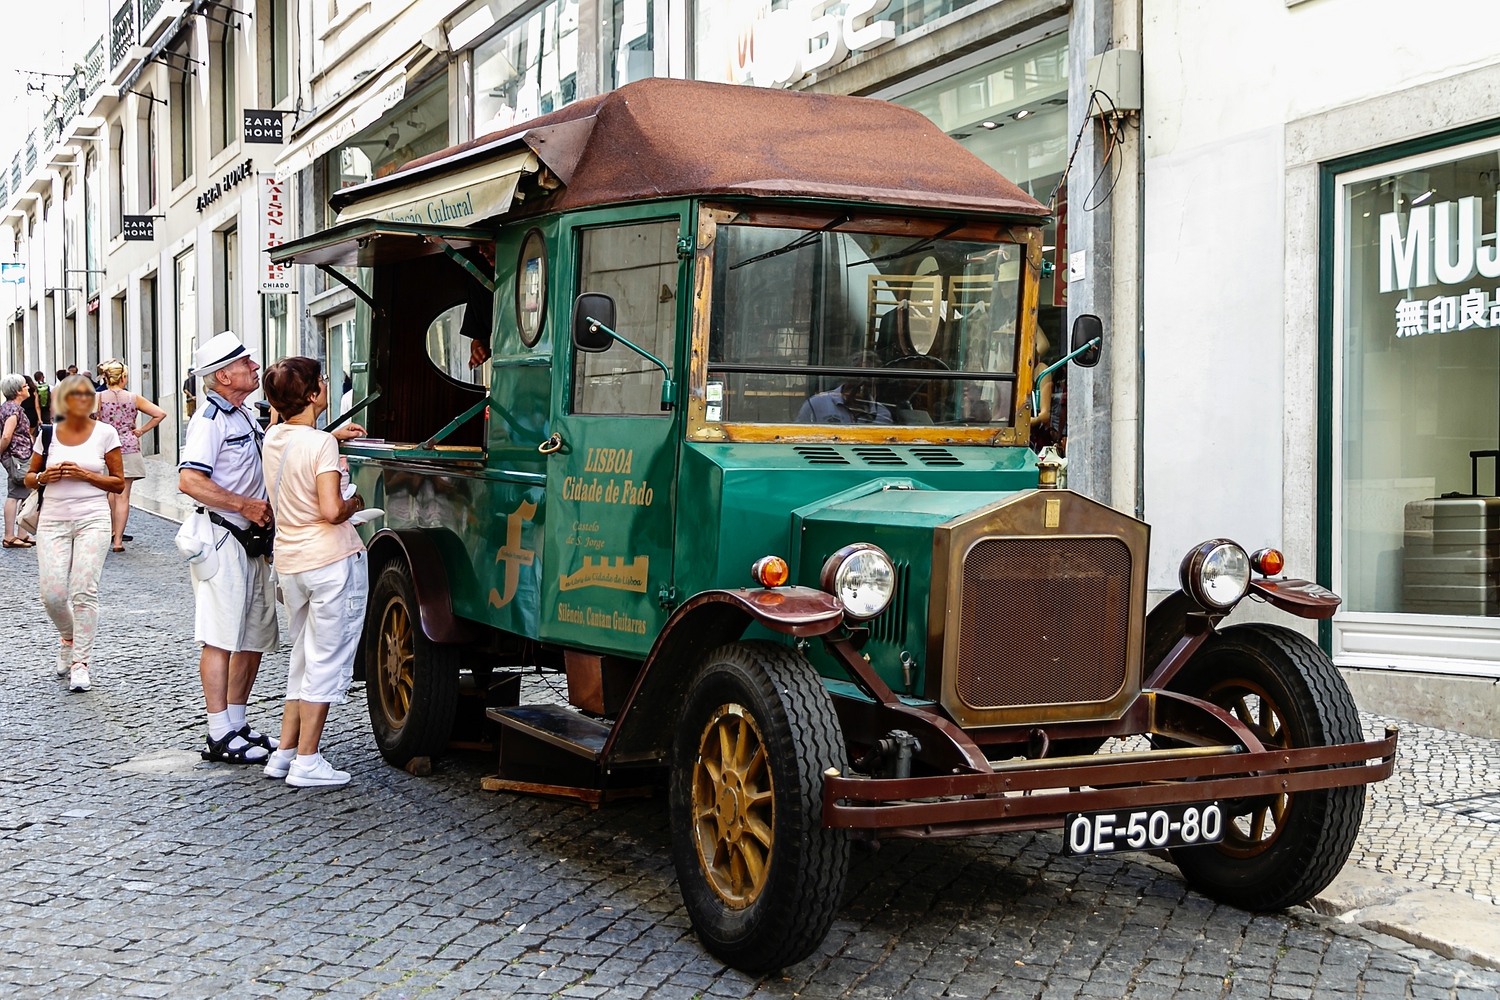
(1228, 413)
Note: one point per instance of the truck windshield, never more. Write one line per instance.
(813, 326)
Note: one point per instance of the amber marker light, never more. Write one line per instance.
(1268, 562)
(771, 571)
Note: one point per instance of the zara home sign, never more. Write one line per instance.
(263, 126)
(232, 179)
(1443, 245)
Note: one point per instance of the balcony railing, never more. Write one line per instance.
(148, 10)
(31, 151)
(93, 68)
(15, 172)
(122, 32)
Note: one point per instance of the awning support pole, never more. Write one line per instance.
(456, 423)
(348, 283)
(466, 264)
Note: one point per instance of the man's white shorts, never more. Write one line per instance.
(325, 610)
(236, 607)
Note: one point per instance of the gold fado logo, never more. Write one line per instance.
(512, 554)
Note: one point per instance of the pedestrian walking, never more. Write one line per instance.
(33, 406)
(119, 407)
(235, 615)
(78, 469)
(320, 565)
(15, 455)
(43, 398)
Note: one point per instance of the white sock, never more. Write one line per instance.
(218, 725)
(236, 717)
(285, 755)
(308, 760)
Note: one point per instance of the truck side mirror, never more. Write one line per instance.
(1087, 328)
(593, 322)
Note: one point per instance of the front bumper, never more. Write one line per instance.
(1038, 794)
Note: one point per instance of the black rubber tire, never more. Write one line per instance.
(1317, 710)
(809, 863)
(434, 696)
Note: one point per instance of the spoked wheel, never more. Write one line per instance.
(411, 682)
(761, 877)
(1278, 850)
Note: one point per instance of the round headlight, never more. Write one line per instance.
(862, 577)
(1216, 574)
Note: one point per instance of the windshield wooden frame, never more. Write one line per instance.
(711, 216)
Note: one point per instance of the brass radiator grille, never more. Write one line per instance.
(1043, 621)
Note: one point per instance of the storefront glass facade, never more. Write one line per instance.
(1418, 398)
(415, 127)
(528, 69)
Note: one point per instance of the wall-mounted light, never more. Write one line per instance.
(990, 125)
(1023, 113)
(1424, 196)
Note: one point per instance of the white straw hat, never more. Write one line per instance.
(220, 352)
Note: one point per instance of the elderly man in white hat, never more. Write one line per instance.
(235, 620)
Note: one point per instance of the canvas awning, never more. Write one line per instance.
(462, 197)
(368, 242)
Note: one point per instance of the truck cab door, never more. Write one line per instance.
(611, 482)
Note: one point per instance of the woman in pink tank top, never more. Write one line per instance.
(119, 407)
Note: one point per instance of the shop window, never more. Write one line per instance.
(637, 266)
(416, 127)
(91, 259)
(185, 272)
(280, 16)
(226, 268)
(636, 45)
(1419, 324)
(529, 69)
(117, 173)
(180, 107)
(148, 143)
(222, 98)
(150, 383)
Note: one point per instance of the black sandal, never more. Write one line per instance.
(218, 750)
(263, 741)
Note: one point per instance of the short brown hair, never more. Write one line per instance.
(290, 383)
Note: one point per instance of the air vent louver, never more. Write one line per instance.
(936, 456)
(875, 455)
(820, 455)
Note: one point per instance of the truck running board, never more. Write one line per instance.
(553, 750)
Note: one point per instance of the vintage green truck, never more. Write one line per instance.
(715, 402)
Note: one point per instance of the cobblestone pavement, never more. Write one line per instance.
(210, 881)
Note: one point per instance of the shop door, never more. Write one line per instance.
(610, 487)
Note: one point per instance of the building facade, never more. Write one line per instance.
(1321, 322)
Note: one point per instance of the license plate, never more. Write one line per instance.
(1144, 829)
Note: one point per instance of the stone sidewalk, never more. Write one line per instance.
(129, 868)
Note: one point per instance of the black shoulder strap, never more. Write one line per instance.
(46, 442)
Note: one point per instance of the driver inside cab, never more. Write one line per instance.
(852, 402)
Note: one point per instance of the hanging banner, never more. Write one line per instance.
(274, 278)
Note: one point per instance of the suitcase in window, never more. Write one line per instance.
(1451, 554)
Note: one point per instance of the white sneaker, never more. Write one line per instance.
(318, 774)
(80, 678)
(64, 660)
(278, 765)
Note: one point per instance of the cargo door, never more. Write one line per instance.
(610, 485)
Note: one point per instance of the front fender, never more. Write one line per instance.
(434, 601)
(643, 731)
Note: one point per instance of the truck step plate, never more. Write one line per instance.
(1144, 829)
(561, 727)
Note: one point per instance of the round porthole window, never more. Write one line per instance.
(531, 287)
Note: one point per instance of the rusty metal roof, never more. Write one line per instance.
(683, 138)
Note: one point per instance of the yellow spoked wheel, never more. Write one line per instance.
(734, 807)
(394, 662)
(1251, 832)
(412, 682)
(760, 875)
